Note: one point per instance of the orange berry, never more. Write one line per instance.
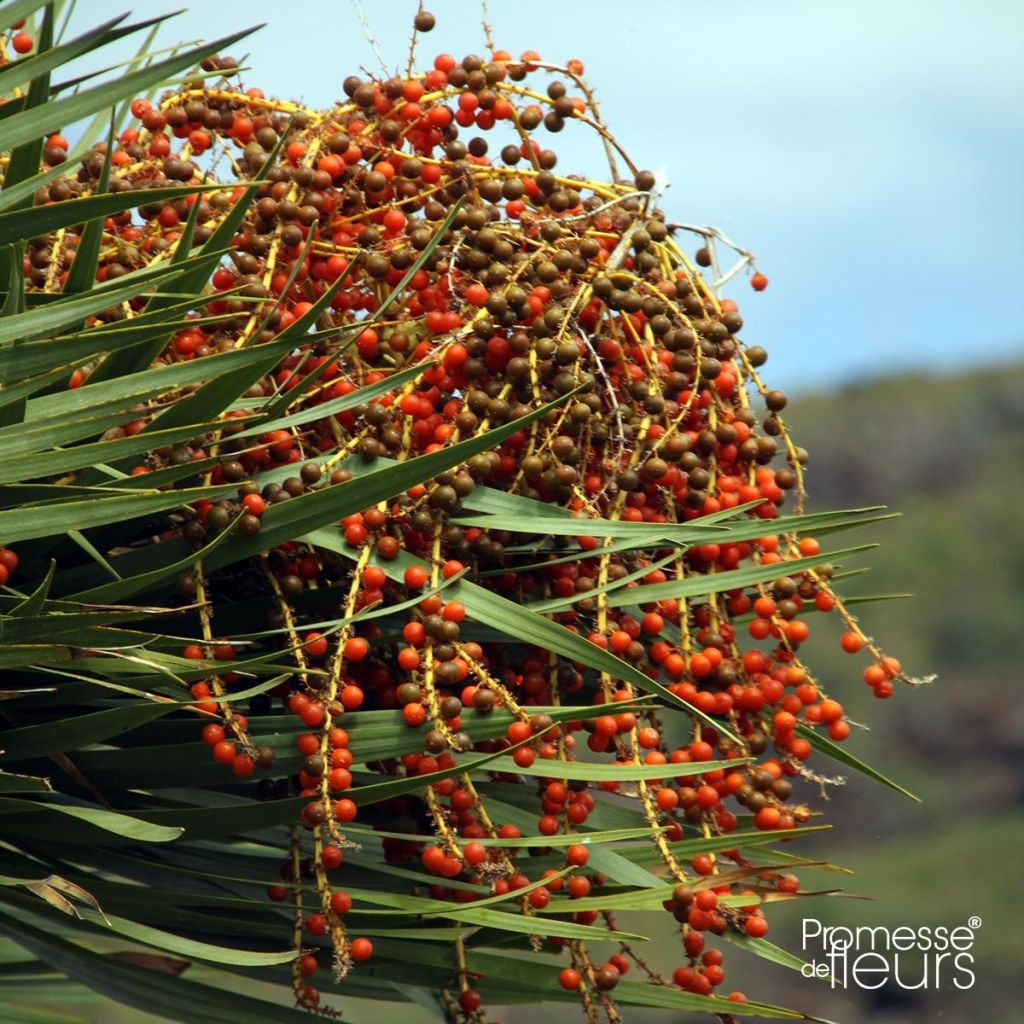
(851, 643)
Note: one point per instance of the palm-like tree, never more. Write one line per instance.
(126, 854)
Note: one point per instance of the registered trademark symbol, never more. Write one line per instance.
(974, 922)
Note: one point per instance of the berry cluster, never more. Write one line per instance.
(492, 286)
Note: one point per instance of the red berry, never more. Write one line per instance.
(315, 924)
(344, 810)
(469, 1000)
(577, 855)
(212, 734)
(315, 645)
(415, 714)
(569, 979)
(474, 853)
(312, 714)
(374, 578)
(224, 752)
(851, 642)
(415, 577)
(356, 648)
(255, 504)
(306, 743)
(540, 898)
(351, 697)
(706, 899)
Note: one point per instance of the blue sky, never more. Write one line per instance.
(870, 154)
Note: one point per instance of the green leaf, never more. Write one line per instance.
(125, 586)
(34, 465)
(182, 1000)
(64, 734)
(47, 320)
(764, 949)
(11, 783)
(28, 523)
(367, 393)
(527, 626)
(167, 941)
(22, 163)
(733, 579)
(110, 821)
(183, 245)
(379, 791)
(33, 604)
(170, 762)
(833, 750)
(547, 927)
(225, 819)
(557, 604)
(705, 530)
(16, 1013)
(651, 533)
(638, 993)
(83, 542)
(27, 439)
(874, 598)
(14, 298)
(158, 380)
(558, 841)
(41, 220)
(65, 624)
(32, 654)
(592, 771)
(33, 357)
(616, 865)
